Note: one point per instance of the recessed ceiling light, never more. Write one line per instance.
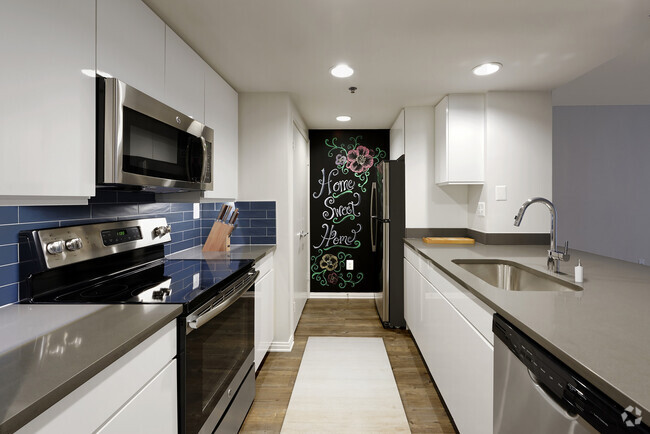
(343, 118)
(487, 68)
(341, 71)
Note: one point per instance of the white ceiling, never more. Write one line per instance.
(408, 52)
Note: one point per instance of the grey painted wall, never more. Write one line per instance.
(601, 179)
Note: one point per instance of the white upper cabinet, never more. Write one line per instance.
(131, 45)
(460, 139)
(47, 116)
(184, 77)
(221, 114)
(397, 137)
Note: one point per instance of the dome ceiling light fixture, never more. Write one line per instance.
(487, 68)
(341, 71)
(343, 118)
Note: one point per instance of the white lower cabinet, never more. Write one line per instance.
(264, 295)
(458, 355)
(153, 409)
(137, 394)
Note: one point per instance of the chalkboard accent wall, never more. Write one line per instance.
(342, 170)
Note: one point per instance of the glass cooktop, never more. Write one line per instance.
(188, 282)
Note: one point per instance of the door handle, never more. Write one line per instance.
(373, 217)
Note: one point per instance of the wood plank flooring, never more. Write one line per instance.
(274, 383)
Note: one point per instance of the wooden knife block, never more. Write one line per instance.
(219, 238)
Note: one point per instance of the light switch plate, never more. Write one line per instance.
(501, 192)
(196, 280)
(349, 264)
(197, 211)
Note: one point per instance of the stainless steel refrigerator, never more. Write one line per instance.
(387, 222)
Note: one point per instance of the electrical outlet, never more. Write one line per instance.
(349, 264)
(197, 211)
(196, 280)
(480, 209)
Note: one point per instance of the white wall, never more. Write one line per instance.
(518, 154)
(427, 204)
(265, 173)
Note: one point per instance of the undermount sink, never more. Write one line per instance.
(511, 276)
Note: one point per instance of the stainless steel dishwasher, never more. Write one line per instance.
(535, 393)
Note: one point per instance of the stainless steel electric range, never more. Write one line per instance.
(124, 262)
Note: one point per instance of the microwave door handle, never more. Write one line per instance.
(197, 322)
(204, 169)
(187, 161)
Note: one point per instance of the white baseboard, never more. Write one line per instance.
(342, 295)
(281, 347)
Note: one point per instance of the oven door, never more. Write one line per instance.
(149, 144)
(219, 349)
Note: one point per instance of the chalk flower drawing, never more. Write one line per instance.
(329, 262)
(360, 159)
(341, 159)
(332, 278)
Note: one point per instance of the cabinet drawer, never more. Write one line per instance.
(413, 257)
(473, 309)
(153, 409)
(89, 406)
(264, 265)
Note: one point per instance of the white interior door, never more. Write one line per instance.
(300, 223)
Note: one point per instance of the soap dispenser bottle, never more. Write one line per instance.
(579, 272)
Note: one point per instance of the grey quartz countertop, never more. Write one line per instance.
(602, 332)
(47, 351)
(248, 251)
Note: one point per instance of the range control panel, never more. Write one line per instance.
(67, 245)
(121, 235)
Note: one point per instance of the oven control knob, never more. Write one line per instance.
(162, 230)
(73, 244)
(55, 247)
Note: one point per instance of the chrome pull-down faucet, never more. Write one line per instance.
(554, 255)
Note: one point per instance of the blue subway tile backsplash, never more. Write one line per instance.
(256, 225)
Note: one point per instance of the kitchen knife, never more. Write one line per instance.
(222, 213)
(234, 216)
(224, 219)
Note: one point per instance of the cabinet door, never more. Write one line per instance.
(221, 114)
(441, 141)
(47, 114)
(411, 299)
(154, 409)
(184, 77)
(460, 139)
(264, 294)
(466, 138)
(460, 361)
(397, 137)
(131, 45)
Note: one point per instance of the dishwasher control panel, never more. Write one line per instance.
(568, 389)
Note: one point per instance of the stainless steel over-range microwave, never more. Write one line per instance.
(144, 143)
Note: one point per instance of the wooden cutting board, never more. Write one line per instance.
(448, 240)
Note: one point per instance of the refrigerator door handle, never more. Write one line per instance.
(373, 217)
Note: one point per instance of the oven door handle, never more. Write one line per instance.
(197, 322)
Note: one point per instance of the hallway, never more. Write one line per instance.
(353, 318)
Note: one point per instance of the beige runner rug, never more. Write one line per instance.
(345, 385)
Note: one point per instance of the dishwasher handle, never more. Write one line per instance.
(549, 399)
(196, 321)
